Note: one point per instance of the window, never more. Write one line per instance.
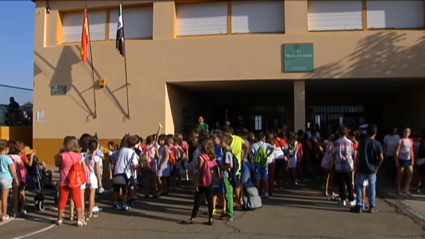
(335, 15)
(138, 23)
(258, 122)
(72, 26)
(195, 19)
(395, 14)
(258, 17)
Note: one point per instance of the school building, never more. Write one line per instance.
(262, 64)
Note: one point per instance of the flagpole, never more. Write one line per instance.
(92, 69)
(125, 67)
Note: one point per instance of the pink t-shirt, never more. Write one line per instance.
(19, 167)
(68, 159)
(185, 145)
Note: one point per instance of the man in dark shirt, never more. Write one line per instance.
(13, 110)
(369, 158)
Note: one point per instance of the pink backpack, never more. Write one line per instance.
(210, 173)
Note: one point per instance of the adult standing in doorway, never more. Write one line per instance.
(13, 110)
(203, 127)
(390, 146)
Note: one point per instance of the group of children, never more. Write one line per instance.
(16, 162)
(160, 163)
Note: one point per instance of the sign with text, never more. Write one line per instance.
(299, 57)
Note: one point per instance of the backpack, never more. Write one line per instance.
(76, 176)
(146, 159)
(234, 170)
(251, 198)
(172, 157)
(210, 173)
(260, 156)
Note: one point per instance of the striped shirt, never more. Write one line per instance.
(344, 154)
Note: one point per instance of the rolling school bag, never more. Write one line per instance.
(251, 199)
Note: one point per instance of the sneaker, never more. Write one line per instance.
(97, 209)
(266, 195)
(125, 208)
(331, 198)
(373, 209)
(414, 188)
(227, 218)
(215, 212)
(353, 203)
(343, 203)
(23, 212)
(116, 205)
(297, 181)
(356, 209)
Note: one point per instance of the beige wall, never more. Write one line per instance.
(152, 63)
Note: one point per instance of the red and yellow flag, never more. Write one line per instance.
(85, 37)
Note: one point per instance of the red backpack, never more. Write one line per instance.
(76, 176)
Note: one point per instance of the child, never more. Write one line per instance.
(8, 177)
(94, 178)
(226, 166)
(181, 157)
(149, 167)
(219, 194)
(300, 160)
(113, 148)
(21, 172)
(421, 165)
(164, 169)
(173, 160)
(185, 147)
(127, 161)
(292, 157)
(326, 164)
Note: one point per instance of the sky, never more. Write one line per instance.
(17, 43)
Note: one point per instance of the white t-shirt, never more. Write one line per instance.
(391, 142)
(405, 149)
(91, 161)
(278, 152)
(267, 147)
(125, 160)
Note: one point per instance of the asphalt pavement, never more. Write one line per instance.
(298, 212)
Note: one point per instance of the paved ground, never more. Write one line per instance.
(299, 212)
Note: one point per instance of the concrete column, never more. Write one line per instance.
(299, 105)
(295, 17)
(164, 14)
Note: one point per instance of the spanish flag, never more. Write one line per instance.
(85, 37)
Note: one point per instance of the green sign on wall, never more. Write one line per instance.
(299, 57)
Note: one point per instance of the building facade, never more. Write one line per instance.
(267, 64)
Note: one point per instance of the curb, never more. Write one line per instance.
(402, 208)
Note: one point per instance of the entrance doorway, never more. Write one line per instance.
(255, 118)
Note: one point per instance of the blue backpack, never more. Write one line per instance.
(234, 171)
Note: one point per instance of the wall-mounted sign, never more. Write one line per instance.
(59, 90)
(299, 57)
(40, 116)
